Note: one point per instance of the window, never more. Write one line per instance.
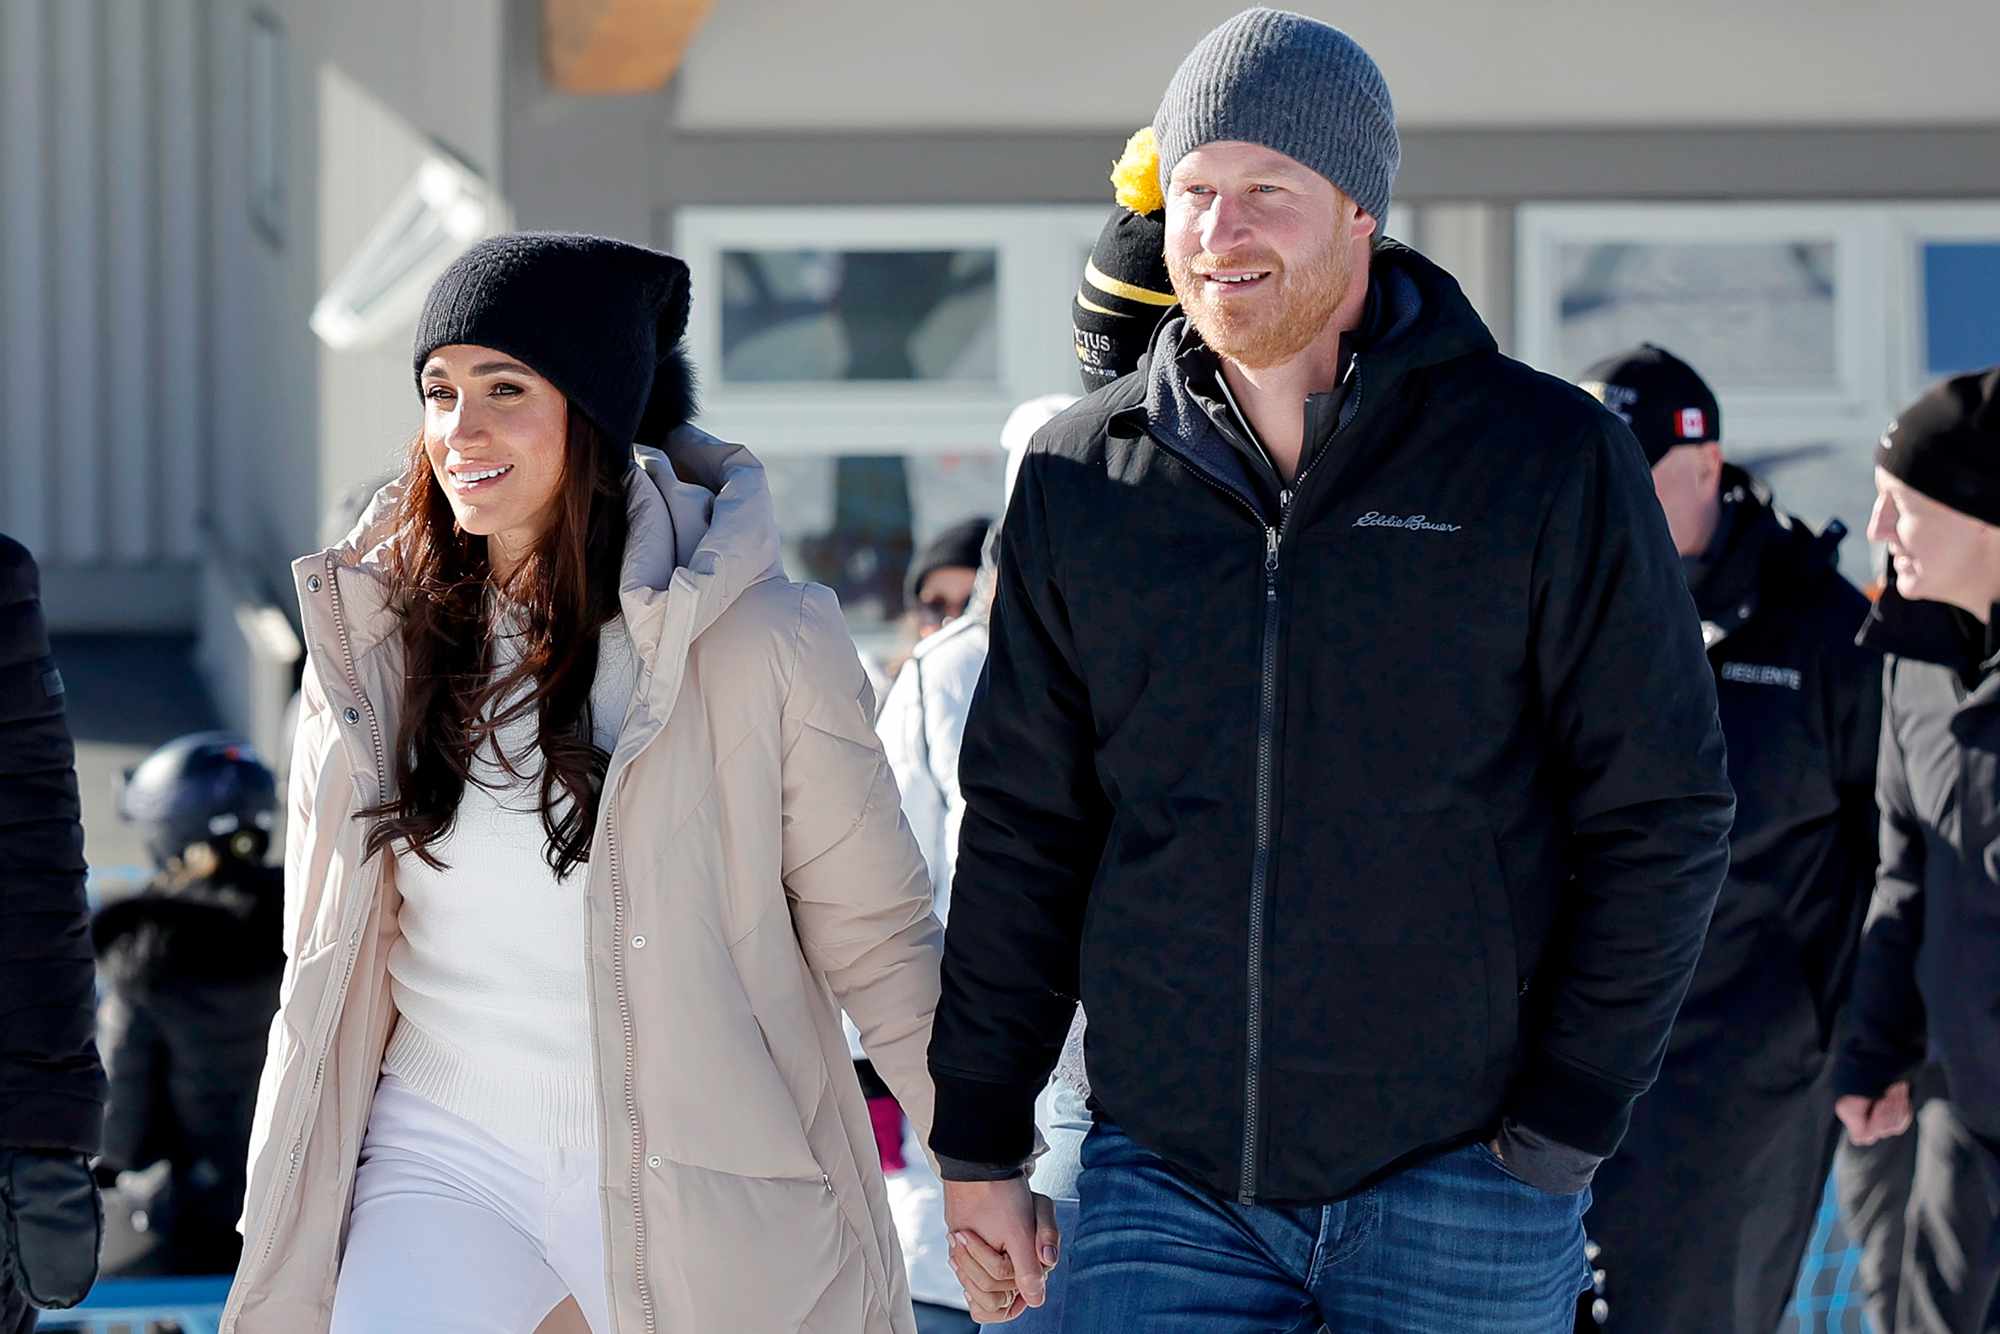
(828, 330)
(1961, 293)
(883, 316)
(1945, 291)
(870, 357)
(1784, 309)
(1779, 307)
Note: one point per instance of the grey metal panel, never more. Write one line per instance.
(1740, 163)
(128, 456)
(181, 330)
(74, 98)
(1497, 165)
(24, 284)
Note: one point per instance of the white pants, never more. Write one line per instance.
(456, 1232)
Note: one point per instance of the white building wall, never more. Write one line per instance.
(1056, 64)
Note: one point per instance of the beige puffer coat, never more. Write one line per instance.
(750, 872)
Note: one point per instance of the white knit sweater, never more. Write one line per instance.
(488, 975)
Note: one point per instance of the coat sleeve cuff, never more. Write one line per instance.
(1543, 1163)
(957, 1169)
(982, 1123)
(1564, 1104)
(1864, 1077)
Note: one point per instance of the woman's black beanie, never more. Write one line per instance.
(600, 319)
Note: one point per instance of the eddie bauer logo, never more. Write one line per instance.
(1416, 523)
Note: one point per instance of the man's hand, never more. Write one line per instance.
(1872, 1120)
(51, 1224)
(1003, 1244)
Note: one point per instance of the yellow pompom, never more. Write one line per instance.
(1136, 173)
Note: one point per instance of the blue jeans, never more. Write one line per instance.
(1454, 1243)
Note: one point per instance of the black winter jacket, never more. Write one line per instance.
(1734, 1139)
(51, 1086)
(1929, 971)
(191, 982)
(1801, 706)
(1356, 817)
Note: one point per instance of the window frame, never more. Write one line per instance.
(1858, 232)
(1037, 249)
(1913, 226)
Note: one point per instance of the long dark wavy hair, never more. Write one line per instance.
(442, 589)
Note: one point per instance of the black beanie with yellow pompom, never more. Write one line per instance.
(1125, 289)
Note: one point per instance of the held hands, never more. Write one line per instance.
(1872, 1120)
(1003, 1244)
(51, 1223)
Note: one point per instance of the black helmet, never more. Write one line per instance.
(208, 787)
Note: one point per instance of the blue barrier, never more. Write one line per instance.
(144, 1305)
(1826, 1301)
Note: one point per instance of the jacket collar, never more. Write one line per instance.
(1754, 539)
(1934, 632)
(701, 531)
(1417, 316)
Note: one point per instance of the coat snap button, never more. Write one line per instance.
(638, 942)
(653, 1160)
(352, 715)
(312, 583)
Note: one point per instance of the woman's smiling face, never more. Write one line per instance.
(495, 433)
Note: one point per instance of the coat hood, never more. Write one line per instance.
(1416, 317)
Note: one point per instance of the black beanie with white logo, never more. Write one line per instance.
(1947, 445)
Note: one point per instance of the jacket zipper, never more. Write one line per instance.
(1260, 873)
(1267, 749)
(1267, 782)
(625, 1025)
(324, 1035)
(1267, 799)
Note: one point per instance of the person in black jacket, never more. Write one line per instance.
(1706, 1211)
(1928, 981)
(51, 1085)
(191, 968)
(1347, 747)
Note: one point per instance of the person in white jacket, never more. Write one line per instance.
(920, 725)
(1122, 295)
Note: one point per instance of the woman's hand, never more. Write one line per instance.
(1871, 1120)
(1003, 1243)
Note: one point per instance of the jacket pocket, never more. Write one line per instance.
(755, 1252)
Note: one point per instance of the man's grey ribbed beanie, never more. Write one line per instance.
(1292, 84)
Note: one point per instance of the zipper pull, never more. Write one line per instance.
(1270, 551)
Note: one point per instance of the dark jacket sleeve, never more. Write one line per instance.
(1034, 829)
(134, 1062)
(1885, 1037)
(1826, 912)
(51, 1086)
(1636, 753)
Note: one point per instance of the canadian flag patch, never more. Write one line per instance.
(1694, 423)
